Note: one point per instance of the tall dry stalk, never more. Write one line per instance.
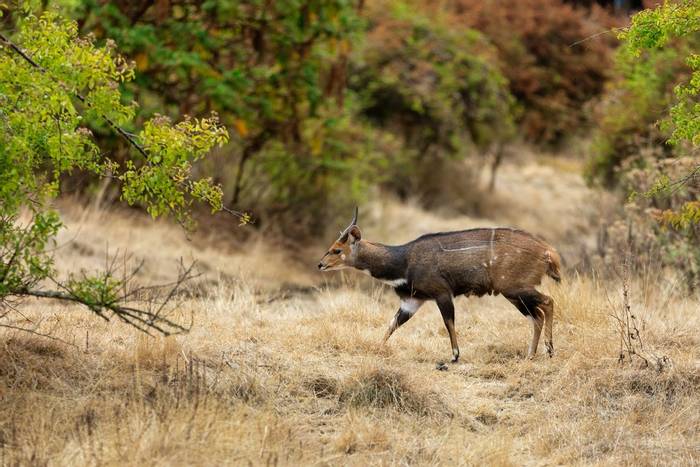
(627, 324)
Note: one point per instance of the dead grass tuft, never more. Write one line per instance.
(386, 388)
(36, 363)
(667, 387)
(323, 386)
(362, 433)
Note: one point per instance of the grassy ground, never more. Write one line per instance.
(283, 365)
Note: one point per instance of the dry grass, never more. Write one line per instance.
(284, 367)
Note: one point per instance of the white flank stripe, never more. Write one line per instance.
(463, 249)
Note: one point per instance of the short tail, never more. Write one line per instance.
(553, 264)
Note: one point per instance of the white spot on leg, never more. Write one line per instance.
(392, 325)
(411, 305)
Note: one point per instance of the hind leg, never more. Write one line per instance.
(547, 307)
(534, 306)
(537, 321)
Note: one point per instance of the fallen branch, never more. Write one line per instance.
(147, 308)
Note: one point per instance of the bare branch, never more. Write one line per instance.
(36, 333)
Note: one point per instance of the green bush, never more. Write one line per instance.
(649, 133)
(629, 114)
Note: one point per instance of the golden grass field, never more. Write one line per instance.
(283, 364)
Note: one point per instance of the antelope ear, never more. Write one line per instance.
(355, 234)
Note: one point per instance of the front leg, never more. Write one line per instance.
(447, 309)
(408, 308)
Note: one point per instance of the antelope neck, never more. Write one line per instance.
(383, 262)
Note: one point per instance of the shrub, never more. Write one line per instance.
(433, 86)
(657, 68)
(628, 115)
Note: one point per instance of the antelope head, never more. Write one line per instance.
(343, 251)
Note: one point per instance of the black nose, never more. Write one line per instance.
(320, 265)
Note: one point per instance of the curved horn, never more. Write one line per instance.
(344, 233)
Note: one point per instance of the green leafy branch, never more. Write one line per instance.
(54, 86)
(654, 29)
(162, 181)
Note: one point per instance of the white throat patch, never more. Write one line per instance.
(395, 282)
(391, 282)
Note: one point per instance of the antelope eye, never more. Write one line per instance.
(336, 252)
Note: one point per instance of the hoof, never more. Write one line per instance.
(441, 366)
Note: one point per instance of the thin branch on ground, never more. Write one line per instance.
(36, 333)
(114, 294)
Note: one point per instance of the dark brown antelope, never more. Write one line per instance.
(442, 266)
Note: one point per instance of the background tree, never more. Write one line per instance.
(551, 70)
(435, 88)
(298, 84)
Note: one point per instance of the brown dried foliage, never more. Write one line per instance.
(552, 55)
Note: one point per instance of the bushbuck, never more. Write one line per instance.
(442, 266)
